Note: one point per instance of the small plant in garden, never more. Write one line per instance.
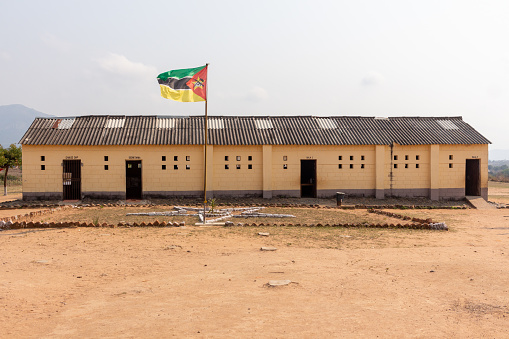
(95, 221)
(213, 204)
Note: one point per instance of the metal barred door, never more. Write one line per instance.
(72, 179)
(133, 180)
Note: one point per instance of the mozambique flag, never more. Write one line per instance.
(186, 85)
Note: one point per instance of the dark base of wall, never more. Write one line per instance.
(174, 194)
(433, 194)
(30, 196)
(103, 195)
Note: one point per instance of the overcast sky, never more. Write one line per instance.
(323, 58)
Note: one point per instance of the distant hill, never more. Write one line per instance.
(499, 154)
(15, 120)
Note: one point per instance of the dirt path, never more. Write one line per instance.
(210, 282)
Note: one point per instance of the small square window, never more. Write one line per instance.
(188, 158)
(163, 167)
(163, 158)
(226, 166)
(395, 165)
(226, 158)
(105, 167)
(416, 157)
(395, 158)
(175, 158)
(238, 166)
(450, 157)
(340, 157)
(406, 157)
(238, 157)
(188, 167)
(175, 167)
(285, 166)
(351, 165)
(250, 166)
(450, 165)
(43, 158)
(249, 158)
(362, 165)
(105, 158)
(351, 157)
(362, 157)
(416, 165)
(340, 166)
(43, 167)
(285, 158)
(406, 165)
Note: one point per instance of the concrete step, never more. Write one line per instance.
(479, 203)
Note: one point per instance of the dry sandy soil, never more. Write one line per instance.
(211, 282)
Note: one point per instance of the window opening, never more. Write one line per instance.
(340, 166)
(175, 158)
(163, 167)
(450, 165)
(351, 157)
(416, 157)
(238, 157)
(188, 167)
(225, 158)
(285, 158)
(226, 166)
(395, 158)
(416, 165)
(362, 165)
(105, 167)
(43, 167)
(406, 165)
(105, 158)
(238, 166)
(188, 158)
(43, 158)
(163, 158)
(250, 166)
(362, 157)
(285, 166)
(340, 157)
(351, 165)
(249, 158)
(175, 167)
(406, 157)
(395, 165)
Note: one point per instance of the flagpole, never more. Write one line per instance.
(206, 142)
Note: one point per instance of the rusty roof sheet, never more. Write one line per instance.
(250, 130)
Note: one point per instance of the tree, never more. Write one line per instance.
(9, 157)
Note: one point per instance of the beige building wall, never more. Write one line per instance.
(436, 171)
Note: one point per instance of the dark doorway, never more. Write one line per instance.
(72, 180)
(472, 177)
(133, 179)
(308, 178)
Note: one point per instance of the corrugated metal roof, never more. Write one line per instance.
(249, 130)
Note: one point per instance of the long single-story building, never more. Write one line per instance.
(135, 157)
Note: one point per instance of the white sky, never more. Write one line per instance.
(368, 58)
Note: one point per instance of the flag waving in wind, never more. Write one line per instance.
(186, 85)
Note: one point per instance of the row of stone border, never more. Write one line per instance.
(30, 225)
(20, 217)
(346, 207)
(400, 216)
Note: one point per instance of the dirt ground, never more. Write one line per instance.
(211, 281)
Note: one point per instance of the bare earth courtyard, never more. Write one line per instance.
(212, 282)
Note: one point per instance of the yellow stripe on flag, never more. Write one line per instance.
(185, 95)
